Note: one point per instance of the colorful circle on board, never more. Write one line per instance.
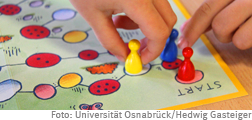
(171, 65)
(10, 9)
(43, 60)
(63, 14)
(127, 49)
(88, 55)
(57, 30)
(8, 89)
(44, 91)
(37, 3)
(35, 32)
(199, 75)
(75, 36)
(70, 80)
(28, 17)
(104, 87)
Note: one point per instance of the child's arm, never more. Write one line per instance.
(230, 20)
(154, 17)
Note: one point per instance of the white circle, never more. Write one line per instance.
(146, 68)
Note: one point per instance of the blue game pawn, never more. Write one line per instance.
(170, 51)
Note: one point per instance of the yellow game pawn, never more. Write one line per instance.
(133, 64)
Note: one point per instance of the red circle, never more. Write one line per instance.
(104, 87)
(10, 9)
(44, 91)
(88, 54)
(171, 65)
(42, 60)
(35, 32)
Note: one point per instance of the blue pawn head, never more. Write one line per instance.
(174, 34)
(170, 51)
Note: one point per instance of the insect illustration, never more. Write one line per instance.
(95, 106)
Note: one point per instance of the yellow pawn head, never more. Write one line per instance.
(134, 45)
(133, 64)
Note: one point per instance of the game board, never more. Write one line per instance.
(51, 59)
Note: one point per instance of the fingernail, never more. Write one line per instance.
(120, 58)
(182, 43)
(114, 19)
(182, 27)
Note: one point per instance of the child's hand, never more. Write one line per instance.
(154, 17)
(230, 20)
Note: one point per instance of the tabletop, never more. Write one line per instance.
(239, 61)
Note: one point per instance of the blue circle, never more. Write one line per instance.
(64, 14)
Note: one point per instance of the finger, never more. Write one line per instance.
(182, 27)
(200, 21)
(230, 18)
(124, 22)
(103, 26)
(107, 34)
(153, 27)
(143, 43)
(164, 9)
(242, 38)
(148, 19)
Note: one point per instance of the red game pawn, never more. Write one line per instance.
(186, 71)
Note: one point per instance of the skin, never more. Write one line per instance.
(230, 21)
(155, 18)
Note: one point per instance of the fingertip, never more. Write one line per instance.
(145, 61)
(117, 48)
(121, 58)
(147, 56)
(182, 27)
(182, 43)
(120, 53)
